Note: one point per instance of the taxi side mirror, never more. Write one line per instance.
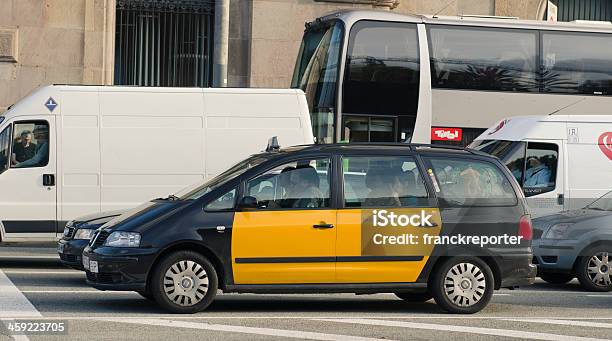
(248, 203)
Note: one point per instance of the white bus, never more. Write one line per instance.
(380, 76)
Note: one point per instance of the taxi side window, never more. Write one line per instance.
(302, 184)
(469, 182)
(222, 203)
(540, 168)
(382, 181)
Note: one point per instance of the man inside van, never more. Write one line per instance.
(538, 174)
(41, 154)
(25, 149)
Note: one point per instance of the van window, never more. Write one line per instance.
(5, 144)
(540, 168)
(382, 181)
(224, 202)
(469, 182)
(302, 184)
(30, 144)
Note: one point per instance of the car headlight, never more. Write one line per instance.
(558, 231)
(84, 234)
(123, 239)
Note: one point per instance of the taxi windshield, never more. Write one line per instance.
(197, 191)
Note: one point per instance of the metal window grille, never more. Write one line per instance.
(164, 43)
(598, 10)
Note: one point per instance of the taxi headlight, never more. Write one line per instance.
(123, 239)
(85, 234)
(558, 231)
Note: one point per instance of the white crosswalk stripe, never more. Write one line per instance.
(14, 304)
(563, 322)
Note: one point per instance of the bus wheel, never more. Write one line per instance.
(184, 282)
(414, 297)
(462, 285)
(593, 270)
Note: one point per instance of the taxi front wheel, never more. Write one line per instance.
(462, 285)
(184, 282)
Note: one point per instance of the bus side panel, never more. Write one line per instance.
(78, 155)
(151, 145)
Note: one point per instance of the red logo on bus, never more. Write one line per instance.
(446, 134)
(605, 144)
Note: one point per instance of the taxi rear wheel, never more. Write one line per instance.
(462, 285)
(184, 282)
(414, 297)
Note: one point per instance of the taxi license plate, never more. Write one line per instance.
(86, 262)
(93, 266)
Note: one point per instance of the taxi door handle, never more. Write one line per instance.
(323, 226)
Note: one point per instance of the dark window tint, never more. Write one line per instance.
(302, 184)
(483, 58)
(540, 168)
(470, 182)
(5, 145)
(577, 63)
(382, 69)
(224, 202)
(385, 181)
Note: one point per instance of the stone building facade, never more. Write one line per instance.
(73, 41)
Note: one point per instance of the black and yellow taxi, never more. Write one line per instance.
(418, 221)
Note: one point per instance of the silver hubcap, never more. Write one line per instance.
(598, 269)
(465, 284)
(186, 283)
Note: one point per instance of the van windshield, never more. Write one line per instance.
(197, 191)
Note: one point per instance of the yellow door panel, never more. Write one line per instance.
(360, 235)
(283, 247)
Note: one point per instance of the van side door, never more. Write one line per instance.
(386, 209)
(28, 200)
(544, 177)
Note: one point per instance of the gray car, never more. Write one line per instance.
(577, 244)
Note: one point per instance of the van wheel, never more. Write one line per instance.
(414, 297)
(554, 278)
(593, 270)
(184, 282)
(462, 285)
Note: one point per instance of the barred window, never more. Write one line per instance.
(164, 42)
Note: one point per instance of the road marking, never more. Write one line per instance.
(260, 317)
(13, 302)
(564, 322)
(75, 292)
(21, 272)
(464, 329)
(601, 295)
(29, 257)
(244, 330)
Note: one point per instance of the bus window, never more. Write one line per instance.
(483, 58)
(382, 76)
(577, 63)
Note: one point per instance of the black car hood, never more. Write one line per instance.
(98, 216)
(144, 215)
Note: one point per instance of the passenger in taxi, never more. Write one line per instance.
(303, 190)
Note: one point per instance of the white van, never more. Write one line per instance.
(68, 151)
(561, 161)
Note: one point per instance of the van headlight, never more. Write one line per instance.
(558, 231)
(85, 234)
(123, 239)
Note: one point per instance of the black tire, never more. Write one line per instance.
(146, 294)
(556, 278)
(478, 276)
(588, 278)
(414, 297)
(190, 300)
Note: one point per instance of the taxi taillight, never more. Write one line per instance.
(525, 228)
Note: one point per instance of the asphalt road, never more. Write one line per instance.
(35, 287)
